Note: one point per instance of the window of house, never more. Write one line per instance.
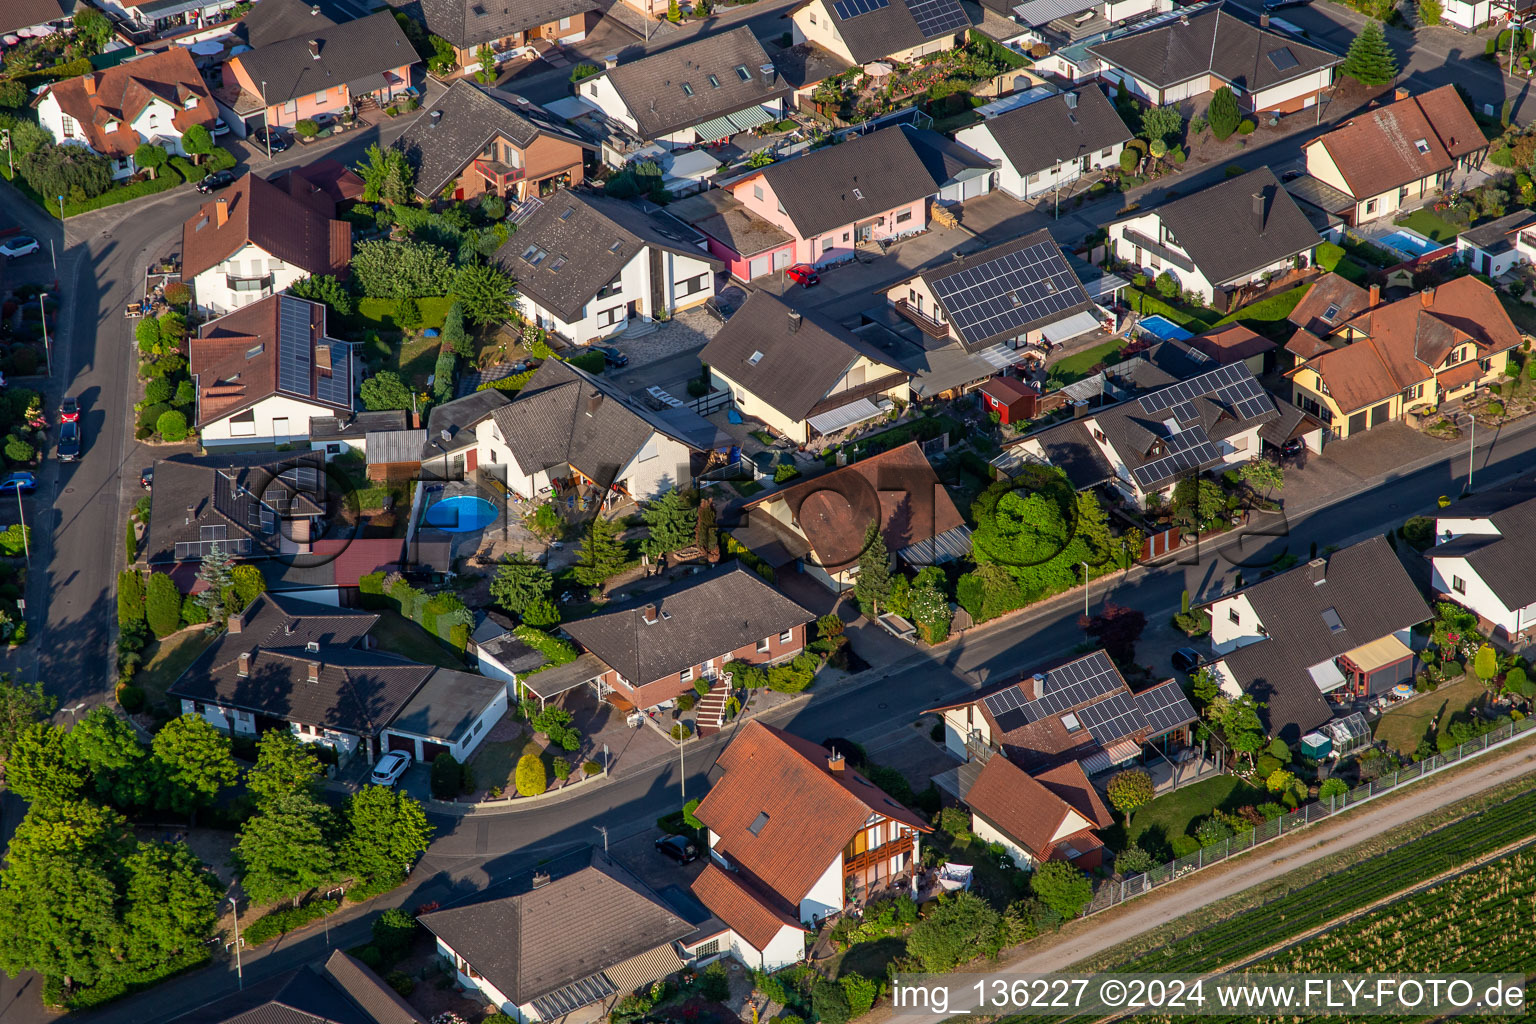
(758, 822)
(67, 125)
(714, 83)
(1370, 206)
(813, 18)
(1234, 617)
(1034, 179)
(609, 317)
(1331, 312)
(687, 88)
(109, 127)
(565, 23)
(1458, 584)
(693, 285)
(1098, 435)
(742, 73)
(710, 948)
(786, 636)
(845, 236)
(1107, 152)
(762, 645)
(826, 245)
(757, 191)
(291, 107)
(903, 216)
(686, 675)
(320, 96)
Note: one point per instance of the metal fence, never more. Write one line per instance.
(1111, 893)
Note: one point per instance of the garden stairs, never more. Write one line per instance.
(711, 710)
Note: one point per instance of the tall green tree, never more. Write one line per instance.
(454, 335)
(217, 572)
(385, 390)
(324, 288)
(1062, 887)
(1370, 60)
(1130, 790)
(673, 522)
(285, 849)
(1224, 113)
(195, 764)
(198, 142)
(93, 29)
(1238, 719)
(875, 580)
(171, 902)
(41, 769)
(485, 293)
(130, 590)
(284, 766)
(106, 748)
(387, 175)
(383, 832)
(150, 157)
(1486, 663)
(21, 704)
(162, 605)
(1159, 124)
(603, 554)
(520, 584)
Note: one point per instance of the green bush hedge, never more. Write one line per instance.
(118, 194)
(285, 919)
(1149, 304)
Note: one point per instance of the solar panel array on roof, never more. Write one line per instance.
(1231, 385)
(1066, 687)
(336, 387)
(189, 550)
(1005, 295)
(1165, 708)
(853, 8)
(1113, 718)
(1003, 702)
(293, 346)
(1187, 450)
(938, 16)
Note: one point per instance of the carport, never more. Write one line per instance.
(552, 682)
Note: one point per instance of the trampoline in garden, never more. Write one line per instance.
(461, 513)
(1163, 329)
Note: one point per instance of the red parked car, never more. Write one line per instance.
(804, 275)
(69, 410)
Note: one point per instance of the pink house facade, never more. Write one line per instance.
(836, 243)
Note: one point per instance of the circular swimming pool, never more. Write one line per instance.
(462, 513)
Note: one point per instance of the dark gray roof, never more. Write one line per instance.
(357, 425)
(493, 635)
(792, 367)
(208, 499)
(821, 190)
(578, 241)
(272, 21)
(358, 691)
(367, 990)
(462, 123)
(1041, 134)
(447, 705)
(1373, 596)
(459, 418)
(873, 32)
(806, 64)
(1505, 562)
(703, 617)
(1227, 237)
(340, 991)
(1214, 40)
(1068, 447)
(1495, 236)
(15, 14)
(696, 81)
(468, 23)
(354, 53)
(946, 159)
(566, 417)
(588, 916)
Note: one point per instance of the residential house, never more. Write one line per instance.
(656, 646)
(330, 178)
(342, 990)
(1022, 292)
(154, 99)
(696, 93)
(1068, 21)
(1399, 357)
(587, 440)
(1214, 241)
(1481, 559)
(865, 31)
(804, 66)
(1331, 302)
(820, 524)
(794, 834)
(142, 21)
(29, 15)
(800, 373)
(312, 669)
(1307, 642)
(499, 653)
(749, 246)
(476, 140)
(836, 199)
(587, 266)
(1472, 15)
(1197, 50)
(321, 71)
(1396, 156)
(1078, 713)
(564, 940)
(1234, 343)
(341, 434)
(255, 240)
(1055, 815)
(1144, 446)
(261, 373)
(509, 30)
(1048, 145)
(1497, 247)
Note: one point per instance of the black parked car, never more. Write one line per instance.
(611, 355)
(677, 848)
(279, 141)
(1186, 660)
(218, 179)
(69, 441)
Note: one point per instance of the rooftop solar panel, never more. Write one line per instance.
(1011, 720)
(1165, 708)
(293, 346)
(1169, 466)
(1003, 296)
(1113, 718)
(853, 8)
(936, 17)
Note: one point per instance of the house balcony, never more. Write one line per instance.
(260, 285)
(858, 863)
(927, 324)
(498, 175)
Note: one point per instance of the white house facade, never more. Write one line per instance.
(681, 282)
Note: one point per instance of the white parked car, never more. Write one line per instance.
(219, 127)
(19, 245)
(390, 767)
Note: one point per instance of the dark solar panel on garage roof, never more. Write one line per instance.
(1165, 708)
(1005, 295)
(938, 16)
(1112, 718)
(293, 346)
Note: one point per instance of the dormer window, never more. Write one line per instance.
(1422, 145)
(109, 127)
(714, 83)
(190, 103)
(687, 89)
(742, 73)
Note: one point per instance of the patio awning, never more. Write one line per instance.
(833, 420)
(948, 546)
(640, 971)
(1378, 653)
(1071, 327)
(752, 117)
(1326, 675)
(1042, 12)
(1102, 760)
(715, 129)
(573, 997)
(554, 681)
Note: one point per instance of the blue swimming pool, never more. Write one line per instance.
(462, 513)
(1409, 243)
(1163, 329)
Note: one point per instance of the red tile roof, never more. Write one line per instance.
(753, 915)
(119, 94)
(234, 359)
(1008, 389)
(1025, 808)
(1231, 344)
(297, 229)
(1403, 142)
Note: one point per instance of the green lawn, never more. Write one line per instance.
(1174, 813)
(1267, 313)
(1078, 365)
(379, 314)
(495, 763)
(1404, 726)
(165, 661)
(1427, 223)
(399, 635)
(1524, 316)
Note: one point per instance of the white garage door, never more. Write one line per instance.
(757, 268)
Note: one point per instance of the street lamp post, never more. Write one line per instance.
(266, 125)
(239, 972)
(1056, 177)
(74, 711)
(1471, 450)
(1085, 589)
(47, 345)
(61, 210)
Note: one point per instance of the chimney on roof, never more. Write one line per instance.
(314, 49)
(236, 623)
(437, 115)
(289, 627)
(611, 61)
(594, 403)
(1070, 98)
(794, 321)
(1401, 93)
(244, 668)
(1258, 212)
(1427, 297)
(314, 671)
(221, 212)
(769, 72)
(1183, 19)
(648, 613)
(835, 762)
(314, 10)
(1317, 571)
(541, 879)
(89, 81)
(313, 647)
(1263, 21)
(1375, 297)
(191, 511)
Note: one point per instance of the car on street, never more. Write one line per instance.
(219, 127)
(218, 179)
(69, 441)
(390, 767)
(279, 141)
(678, 848)
(611, 355)
(69, 410)
(1186, 660)
(804, 275)
(147, 479)
(24, 482)
(19, 245)
(1292, 174)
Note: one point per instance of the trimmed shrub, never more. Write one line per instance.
(531, 778)
(162, 605)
